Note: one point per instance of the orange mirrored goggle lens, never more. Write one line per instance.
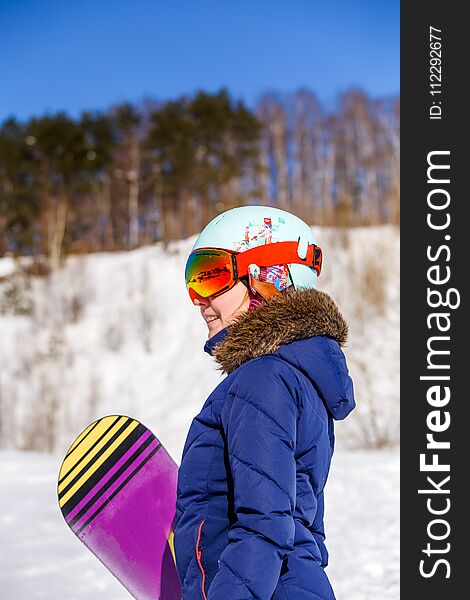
(209, 272)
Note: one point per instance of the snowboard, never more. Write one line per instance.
(117, 493)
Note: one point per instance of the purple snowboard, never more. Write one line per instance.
(117, 492)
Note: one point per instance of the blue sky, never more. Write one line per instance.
(88, 54)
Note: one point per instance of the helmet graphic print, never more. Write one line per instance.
(248, 227)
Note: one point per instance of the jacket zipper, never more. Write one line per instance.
(199, 556)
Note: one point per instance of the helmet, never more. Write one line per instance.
(246, 227)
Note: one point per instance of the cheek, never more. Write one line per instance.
(226, 304)
(221, 306)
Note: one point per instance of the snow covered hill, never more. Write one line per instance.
(116, 333)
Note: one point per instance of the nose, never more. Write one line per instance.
(200, 301)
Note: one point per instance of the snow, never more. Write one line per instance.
(116, 333)
(362, 520)
(41, 558)
(7, 266)
(39, 555)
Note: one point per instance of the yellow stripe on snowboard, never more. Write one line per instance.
(72, 459)
(80, 438)
(171, 543)
(93, 468)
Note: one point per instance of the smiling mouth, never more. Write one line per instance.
(210, 319)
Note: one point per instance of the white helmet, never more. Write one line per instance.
(246, 227)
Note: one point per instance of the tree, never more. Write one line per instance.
(137, 174)
(18, 203)
(127, 123)
(272, 112)
(307, 194)
(203, 147)
(100, 144)
(58, 154)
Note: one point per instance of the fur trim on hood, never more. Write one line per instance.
(297, 315)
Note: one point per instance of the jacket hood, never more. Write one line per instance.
(300, 327)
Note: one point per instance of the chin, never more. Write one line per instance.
(212, 332)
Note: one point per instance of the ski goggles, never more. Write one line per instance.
(213, 271)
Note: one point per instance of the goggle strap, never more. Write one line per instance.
(275, 254)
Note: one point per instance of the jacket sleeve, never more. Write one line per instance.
(259, 421)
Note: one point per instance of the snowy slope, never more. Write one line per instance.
(41, 559)
(117, 333)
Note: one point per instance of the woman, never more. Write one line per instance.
(255, 462)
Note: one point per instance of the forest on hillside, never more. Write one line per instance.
(141, 173)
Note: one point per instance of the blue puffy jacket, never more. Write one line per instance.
(249, 512)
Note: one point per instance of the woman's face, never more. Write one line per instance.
(221, 311)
